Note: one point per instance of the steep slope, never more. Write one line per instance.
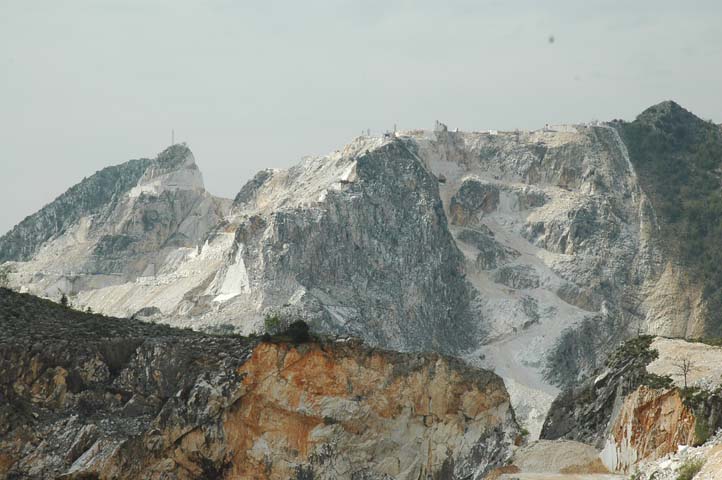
(705, 459)
(118, 225)
(559, 242)
(356, 242)
(679, 159)
(87, 396)
(584, 412)
(640, 407)
(88, 197)
(533, 253)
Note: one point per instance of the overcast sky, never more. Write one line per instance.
(257, 84)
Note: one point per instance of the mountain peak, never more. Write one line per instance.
(173, 169)
(666, 105)
(175, 156)
(666, 111)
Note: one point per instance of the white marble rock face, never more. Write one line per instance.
(489, 246)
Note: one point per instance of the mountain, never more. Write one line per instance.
(87, 396)
(530, 252)
(642, 406)
(679, 160)
(120, 224)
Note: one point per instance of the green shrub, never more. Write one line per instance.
(701, 431)
(689, 469)
(272, 324)
(298, 331)
(657, 381)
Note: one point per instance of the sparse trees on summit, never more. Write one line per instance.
(684, 366)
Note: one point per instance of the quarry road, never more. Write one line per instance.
(558, 460)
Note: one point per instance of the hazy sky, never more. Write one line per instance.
(256, 84)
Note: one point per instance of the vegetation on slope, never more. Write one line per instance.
(678, 159)
(26, 317)
(87, 197)
(690, 469)
(583, 412)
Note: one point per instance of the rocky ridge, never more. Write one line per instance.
(705, 460)
(640, 408)
(533, 253)
(88, 396)
(122, 224)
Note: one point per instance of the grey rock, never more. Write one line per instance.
(492, 254)
(517, 276)
(540, 251)
(584, 412)
(181, 404)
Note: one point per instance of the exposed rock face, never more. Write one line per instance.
(559, 242)
(86, 396)
(632, 409)
(491, 253)
(585, 413)
(650, 424)
(356, 243)
(348, 412)
(86, 198)
(353, 243)
(706, 459)
(678, 157)
(123, 223)
(533, 253)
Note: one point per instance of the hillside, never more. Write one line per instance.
(642, 406)
(88, 396)
(678, 158)
(533, 253)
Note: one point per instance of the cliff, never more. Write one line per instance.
(120, 224)
(640, 407)
(88, 396)
(678, 158)
(530, 252)
(585, 412)
(649, 425)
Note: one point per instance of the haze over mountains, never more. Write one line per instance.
(530, 252)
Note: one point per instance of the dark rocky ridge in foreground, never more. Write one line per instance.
(88, 396)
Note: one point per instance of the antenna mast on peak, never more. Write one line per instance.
(172, 137)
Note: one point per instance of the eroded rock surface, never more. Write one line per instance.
(124, 223)
(637, 409)
(650, 424)
(586, 412)
(87, 396)
(531, 252)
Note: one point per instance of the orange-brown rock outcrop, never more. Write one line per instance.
(651, 423)
(86, 396)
